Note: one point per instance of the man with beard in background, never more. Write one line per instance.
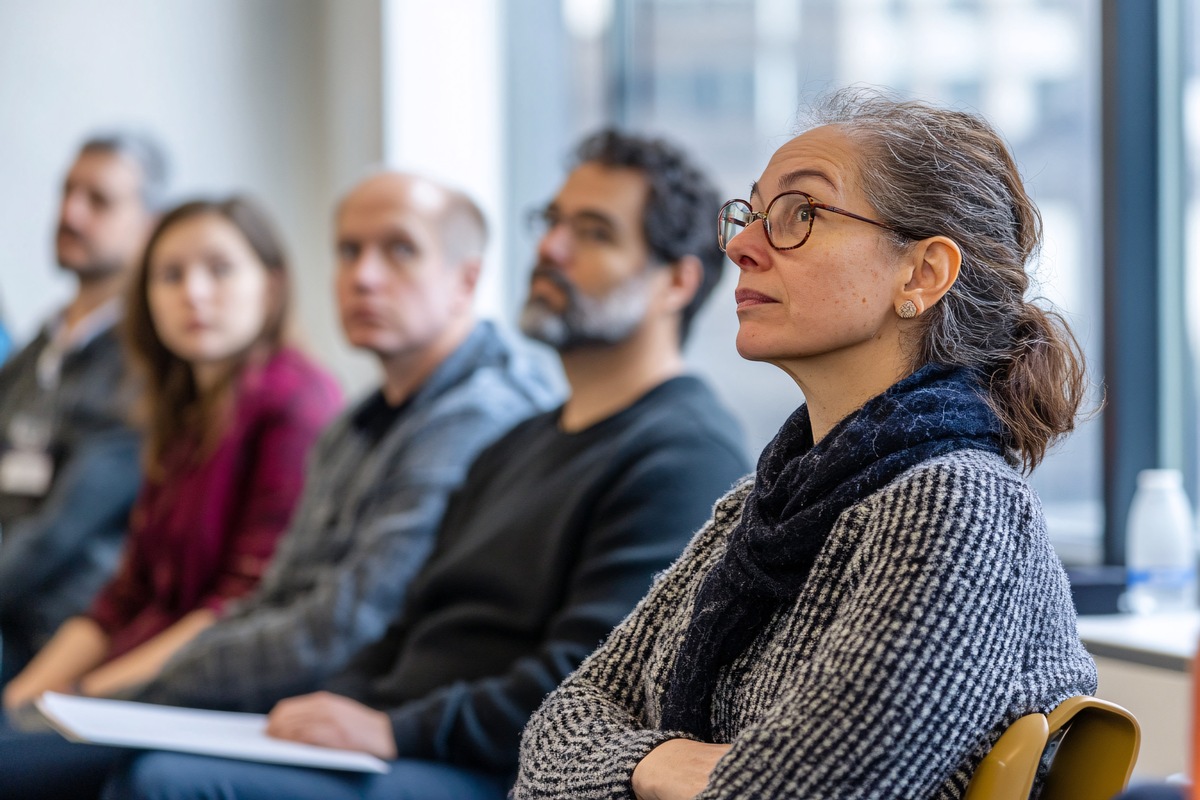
(561, 524)
(68, 460)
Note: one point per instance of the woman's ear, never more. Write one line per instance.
(935, 263)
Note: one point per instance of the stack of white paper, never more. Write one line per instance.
(188, 730)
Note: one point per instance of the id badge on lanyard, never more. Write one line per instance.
(27, 463)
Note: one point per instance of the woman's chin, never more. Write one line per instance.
(752, 350)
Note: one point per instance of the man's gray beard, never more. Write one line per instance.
(587, 321)
(94, 269)
(91, 271)
(95, 266)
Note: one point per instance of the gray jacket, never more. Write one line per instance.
(365, 524)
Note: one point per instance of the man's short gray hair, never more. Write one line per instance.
(145, 151)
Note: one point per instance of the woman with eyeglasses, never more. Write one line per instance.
(229, 411)
(866, 614)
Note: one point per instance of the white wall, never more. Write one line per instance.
(278, 98)
(444, 103)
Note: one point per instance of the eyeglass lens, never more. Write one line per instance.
(788, 220)
(734, 217)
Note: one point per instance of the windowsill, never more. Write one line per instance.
(1165, 641)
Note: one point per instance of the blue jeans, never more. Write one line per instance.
(178, 776)
(45, 766)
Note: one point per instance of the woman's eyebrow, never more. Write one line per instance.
(790, 179)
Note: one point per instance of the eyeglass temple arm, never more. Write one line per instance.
(845, 213)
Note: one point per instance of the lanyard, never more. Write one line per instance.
(63, 341)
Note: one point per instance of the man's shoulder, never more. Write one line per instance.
(681, 416)
(537, 426)
(486, 376)
(102, 361)
(496, 386)
(685, 409)
(450, 419)
(96, 371)
(25, 358)
(676, 413)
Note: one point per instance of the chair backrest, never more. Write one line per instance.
(1096, 746)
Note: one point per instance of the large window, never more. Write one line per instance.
(727, 77)
(1189, 108)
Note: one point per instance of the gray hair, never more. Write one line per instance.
(142, 149)
(930, 171)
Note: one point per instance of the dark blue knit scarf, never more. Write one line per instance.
(799, 492)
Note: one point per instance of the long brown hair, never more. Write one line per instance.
(172, 408)
(931, 171)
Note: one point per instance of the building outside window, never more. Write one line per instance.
(1188, 387)
(727, 78)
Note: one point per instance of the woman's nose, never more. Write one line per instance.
(749, 249)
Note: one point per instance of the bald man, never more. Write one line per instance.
(408, 255)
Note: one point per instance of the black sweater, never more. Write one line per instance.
(552, 540)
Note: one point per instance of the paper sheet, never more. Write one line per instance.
(187, 730)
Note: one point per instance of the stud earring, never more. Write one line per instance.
(907, 310)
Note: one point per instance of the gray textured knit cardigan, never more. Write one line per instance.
(936, 614)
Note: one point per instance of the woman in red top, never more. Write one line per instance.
(229, 412)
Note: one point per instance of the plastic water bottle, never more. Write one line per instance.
(1160, 547)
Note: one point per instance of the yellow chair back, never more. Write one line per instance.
(1096, 745)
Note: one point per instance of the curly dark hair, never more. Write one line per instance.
(681, 204)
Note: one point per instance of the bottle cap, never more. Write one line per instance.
(1160, 479)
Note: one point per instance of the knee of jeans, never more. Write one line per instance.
(152, 776)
